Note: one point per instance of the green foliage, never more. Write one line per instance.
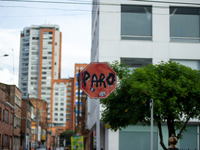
(173, 87)
(66, 134)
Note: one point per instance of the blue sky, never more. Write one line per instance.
(73, 18)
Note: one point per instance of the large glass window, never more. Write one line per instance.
(184, 24)
(136, 22)
(134, 63)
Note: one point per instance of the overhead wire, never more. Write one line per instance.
(45, 8)
(79, 10)
(97, 3)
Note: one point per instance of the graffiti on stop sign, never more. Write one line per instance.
(101, 81)
(98, 80)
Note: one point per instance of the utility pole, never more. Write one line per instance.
(78, 128)
(36, 124)
(13, 67)
(51, 135)
(27, 107)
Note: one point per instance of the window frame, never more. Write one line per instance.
(178, 11)
(0, 113)
(136, 10)
(5, 140)
(11, 118)
(6, 115)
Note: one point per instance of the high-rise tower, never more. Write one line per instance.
(40, 58)
(40, 70)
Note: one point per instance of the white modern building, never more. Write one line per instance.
(138, 33)
(40, 72)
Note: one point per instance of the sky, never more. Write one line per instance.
(73, 18)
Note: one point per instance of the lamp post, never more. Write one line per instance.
(5, 55)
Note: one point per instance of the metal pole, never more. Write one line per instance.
(78, 130)
(13, 68)
(51, 135)
(36, 124)
(98, 146)
(27, 104)
(197, 137)
(151, 106)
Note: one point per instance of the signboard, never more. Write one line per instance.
(98, 80)
(77, 143)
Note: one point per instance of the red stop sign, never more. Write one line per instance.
(98, 80)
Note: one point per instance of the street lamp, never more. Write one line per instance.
(5, 55)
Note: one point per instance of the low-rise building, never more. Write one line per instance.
(17, 119)
(6, 122)
(26, 119)
(13, 97)
(39, 123)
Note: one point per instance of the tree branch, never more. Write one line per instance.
(183, 128)
(161, 136)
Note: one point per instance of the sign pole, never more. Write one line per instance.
(151, 106)
(98, 125)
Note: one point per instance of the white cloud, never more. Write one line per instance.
(7, 77)
(72, 54)
(76, 42)
(9, 44)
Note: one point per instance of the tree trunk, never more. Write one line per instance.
(161, 136)
(170, 125)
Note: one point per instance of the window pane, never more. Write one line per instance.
(136, 22)
(6, 115)
(134, 63)
(184, 24)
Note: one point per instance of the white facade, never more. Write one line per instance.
(59, 104)
(113, 39)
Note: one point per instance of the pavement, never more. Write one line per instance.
(59, 148)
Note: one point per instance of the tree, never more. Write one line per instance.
(66, 135)
(174, 88)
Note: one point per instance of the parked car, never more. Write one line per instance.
(42, 147)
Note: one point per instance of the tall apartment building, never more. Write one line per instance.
(40, 70)
(138, 33)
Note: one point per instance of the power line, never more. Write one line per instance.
(50, 2)
(96, 3)
(45, 8)
(49, 15)
(168, 2)
(77, 10)
(48, 8)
